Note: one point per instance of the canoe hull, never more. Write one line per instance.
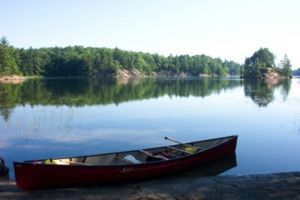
(33, 176)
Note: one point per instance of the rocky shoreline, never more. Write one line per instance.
(13, 79)
(264, 186)
(272, 77)
(124, 75)
(134, 73)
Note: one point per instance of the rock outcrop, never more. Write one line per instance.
(126, 74)
(14, 79)
(134, 73)
(272, 77)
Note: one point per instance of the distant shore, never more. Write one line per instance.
(263, 186)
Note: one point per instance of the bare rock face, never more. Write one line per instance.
(272, 76)
(170, 74)
(127, 74)
(13, 79)
(204, 75)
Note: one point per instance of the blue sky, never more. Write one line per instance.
(229, 29)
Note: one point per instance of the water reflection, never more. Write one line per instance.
(81, 92)
(3, 169)
(60, 118)
(262, 93)
(213, 168)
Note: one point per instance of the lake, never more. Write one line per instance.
(43, 118)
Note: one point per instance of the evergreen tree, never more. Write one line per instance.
(8, 65)
(285, 66)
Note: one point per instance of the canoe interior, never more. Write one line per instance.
(139, 157)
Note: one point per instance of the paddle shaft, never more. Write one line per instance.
(77, 163)
(187, 145)
(179, 150)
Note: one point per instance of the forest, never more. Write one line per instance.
(88, 62)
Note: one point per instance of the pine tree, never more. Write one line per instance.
(8, 65)
(285, 66)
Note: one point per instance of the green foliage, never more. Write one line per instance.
(80, 61)
(285, 66)
(8, 63)
(257, 65)
(233, 67)
(262, 61)
(31, 61)
(262, 93)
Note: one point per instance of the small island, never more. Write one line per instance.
(261, 66)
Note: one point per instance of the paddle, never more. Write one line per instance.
(176, 149)
(187, 145)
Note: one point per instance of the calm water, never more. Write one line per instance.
(50, 118)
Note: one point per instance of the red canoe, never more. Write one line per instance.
(119, 166)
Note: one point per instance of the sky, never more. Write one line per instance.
(228, 29)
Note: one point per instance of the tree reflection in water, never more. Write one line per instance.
(262, 93)
(81, 92)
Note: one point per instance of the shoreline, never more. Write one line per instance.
(260, 186)
(120, 74)
(125, 75)
(13, 79)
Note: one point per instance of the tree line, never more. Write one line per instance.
(88, 61)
